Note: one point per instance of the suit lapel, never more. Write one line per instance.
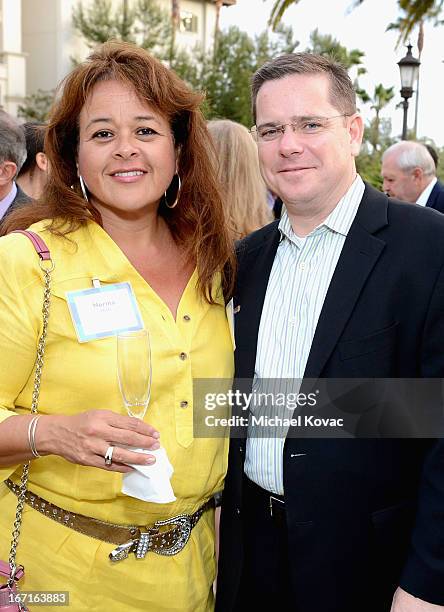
(360, 253)
(255, 267)
(431, 202)
(20, 198)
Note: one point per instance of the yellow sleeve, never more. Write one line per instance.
(20, 283)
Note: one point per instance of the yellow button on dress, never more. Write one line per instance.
(79, 377)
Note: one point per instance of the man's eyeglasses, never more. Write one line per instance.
(302, 125)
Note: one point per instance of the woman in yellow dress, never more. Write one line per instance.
(132, 198)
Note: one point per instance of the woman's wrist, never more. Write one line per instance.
(45, 435)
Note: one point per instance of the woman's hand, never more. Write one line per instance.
(84, 439)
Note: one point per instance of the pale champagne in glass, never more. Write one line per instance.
(134, 371)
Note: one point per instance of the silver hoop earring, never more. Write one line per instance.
(83, 188)
(179, 185)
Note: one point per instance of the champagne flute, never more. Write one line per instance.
(134, 371)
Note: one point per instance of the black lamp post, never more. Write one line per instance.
(409, 68)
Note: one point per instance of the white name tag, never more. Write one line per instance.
(104, 311)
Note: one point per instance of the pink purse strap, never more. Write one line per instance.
(5, 570)
(9, 569)
(38, 243)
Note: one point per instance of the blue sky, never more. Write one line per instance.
(363, 28)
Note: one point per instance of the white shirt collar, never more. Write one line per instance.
(6, 202)
(339, 220)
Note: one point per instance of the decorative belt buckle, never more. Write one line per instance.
(121, 552)
(143, 544)
(183, 521)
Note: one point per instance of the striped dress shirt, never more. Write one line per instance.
(301, 274)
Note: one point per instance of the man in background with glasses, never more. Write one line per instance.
(345, 285)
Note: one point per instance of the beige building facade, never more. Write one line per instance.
(49, 41)
(38, 42)
(12, 57)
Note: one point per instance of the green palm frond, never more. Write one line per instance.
(278, 10)
(414, 11)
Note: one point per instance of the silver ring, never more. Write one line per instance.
(109, 456)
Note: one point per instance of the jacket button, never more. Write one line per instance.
(183, 356)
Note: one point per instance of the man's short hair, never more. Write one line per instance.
(12, 141)
(342, 92)
(35, 137)
(410, 155)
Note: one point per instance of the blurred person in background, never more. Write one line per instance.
(12, 157)
(409, 173)
(34, 172)
(244, 187)
(434, 153)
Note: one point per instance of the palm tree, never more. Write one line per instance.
(420, 44)
(219, 4)
(175, 22)
(414, 12)
(278, 10)
(125, 21)
(175, 12)
(381, 97)
(416, 15)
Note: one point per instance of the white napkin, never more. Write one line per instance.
(150, 483)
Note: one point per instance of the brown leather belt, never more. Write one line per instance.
(167, 537)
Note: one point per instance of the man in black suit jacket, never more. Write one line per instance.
(20, 198)
(12, 157)
(344, 525)
(436, 197)
(409, 173)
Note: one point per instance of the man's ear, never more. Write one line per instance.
(356, 132)
(418, 174)
(42, 161)
(8, 171)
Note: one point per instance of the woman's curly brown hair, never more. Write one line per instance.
(198, 221)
